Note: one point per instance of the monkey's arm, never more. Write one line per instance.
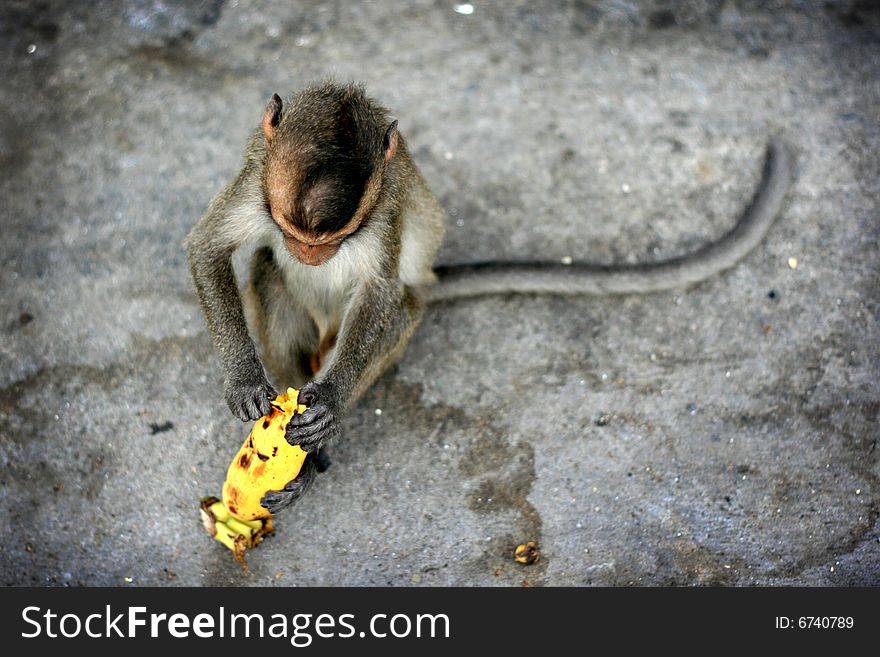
(460, 281)
(209, 247)
(377, 325)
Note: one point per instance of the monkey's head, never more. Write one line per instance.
(326, 156)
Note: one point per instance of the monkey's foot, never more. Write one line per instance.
(322, 460)
(278, 500)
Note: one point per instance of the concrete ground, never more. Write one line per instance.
(725, 434)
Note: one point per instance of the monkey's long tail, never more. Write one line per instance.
(482, 278)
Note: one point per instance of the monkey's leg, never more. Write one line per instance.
(375, 330)
(322, 460)
(286, 333)
(319, 358)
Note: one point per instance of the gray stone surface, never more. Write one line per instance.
(707, 436)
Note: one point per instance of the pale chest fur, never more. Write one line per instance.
(324, 291)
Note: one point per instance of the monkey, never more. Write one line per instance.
(345, 232)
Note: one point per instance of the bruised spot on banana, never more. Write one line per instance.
(266, 461)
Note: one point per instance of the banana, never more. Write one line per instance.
(266, 461)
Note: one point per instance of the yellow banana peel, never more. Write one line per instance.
(266, 461)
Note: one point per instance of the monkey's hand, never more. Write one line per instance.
(276, 500)
(248, 392)
(320, 422)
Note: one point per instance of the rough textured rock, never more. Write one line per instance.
(725, 434)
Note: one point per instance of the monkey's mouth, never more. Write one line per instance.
(316, 260)
(311, 254)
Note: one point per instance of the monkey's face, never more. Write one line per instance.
(315, 213)
(311, 246)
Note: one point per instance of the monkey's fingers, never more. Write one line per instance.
(312, 415)
(249, 407)
(305, 431)
(308, 395)
(250, 402)
(311, 438)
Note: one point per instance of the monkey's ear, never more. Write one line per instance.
(389, 144)
(271, 117)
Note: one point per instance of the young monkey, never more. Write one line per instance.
(346, 232)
